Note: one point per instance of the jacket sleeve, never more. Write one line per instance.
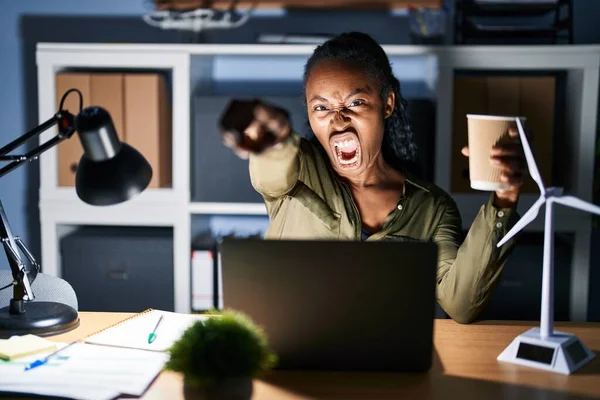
(467, 273)
(274, 172)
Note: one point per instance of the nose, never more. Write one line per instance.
(339, 120)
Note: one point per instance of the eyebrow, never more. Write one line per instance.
(353, 93)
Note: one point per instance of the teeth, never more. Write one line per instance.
(347, 146)
(345, 143)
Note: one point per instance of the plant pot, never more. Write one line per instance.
(226, 389)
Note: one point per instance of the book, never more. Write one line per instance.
(134, 331)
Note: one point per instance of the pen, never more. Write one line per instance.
(152, 335)
(44, 360)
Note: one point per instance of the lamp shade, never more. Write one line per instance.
(109, 171)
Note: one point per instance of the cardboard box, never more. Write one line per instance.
(104, 90)
(70, 151)
(530, 97)
(140, 110)
(108, 92)
(148, 123)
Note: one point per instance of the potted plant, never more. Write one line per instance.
(220, 356)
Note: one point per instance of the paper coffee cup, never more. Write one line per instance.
(485, 131)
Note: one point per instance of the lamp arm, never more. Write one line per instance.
(15, 258)
(22, 290)
(23, 277)
(66, 129)
(20, 274)
(63, 116)
(29, 256)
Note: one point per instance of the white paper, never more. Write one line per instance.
(59, 390)
(104, 370)
(203, 271)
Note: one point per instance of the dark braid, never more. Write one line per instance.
(398, 148)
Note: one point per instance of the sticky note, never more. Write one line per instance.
(21, 346)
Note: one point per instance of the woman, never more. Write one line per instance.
(355, 182)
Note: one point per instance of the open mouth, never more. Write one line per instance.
(346, 150)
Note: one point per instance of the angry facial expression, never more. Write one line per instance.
(347, 114)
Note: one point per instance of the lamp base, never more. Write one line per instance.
(561, 352)
(41, 318)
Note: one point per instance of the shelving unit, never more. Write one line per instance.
(205, 69)
(466, 29)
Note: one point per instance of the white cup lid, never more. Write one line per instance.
(495, 117)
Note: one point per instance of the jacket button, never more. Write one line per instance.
(400, 207)
(499, 225)
(500, 214)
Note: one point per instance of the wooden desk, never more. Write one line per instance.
(464, 367)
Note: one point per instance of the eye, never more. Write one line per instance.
(320, 108)
(356, 103)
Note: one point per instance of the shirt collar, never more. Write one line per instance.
(414, 181)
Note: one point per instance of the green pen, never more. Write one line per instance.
(152, 335)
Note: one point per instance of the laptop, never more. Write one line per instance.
(336, 305)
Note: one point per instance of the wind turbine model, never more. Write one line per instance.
(543, 347)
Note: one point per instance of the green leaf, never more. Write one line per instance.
(226, 345)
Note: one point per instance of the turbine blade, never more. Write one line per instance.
(531, 165)
(574, 202)
(524, 221)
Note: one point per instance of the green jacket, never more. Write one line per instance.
(305, 199)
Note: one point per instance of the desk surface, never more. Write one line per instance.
(464, 367)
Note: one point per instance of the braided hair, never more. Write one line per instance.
(398, 148)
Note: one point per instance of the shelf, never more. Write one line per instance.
(281, 74)
(502, 9)
(47, 50)
(410, 89)
(68, 196)
(466, 10)
(476, 31)
(227, 208)
(124, 214)
(340, 4)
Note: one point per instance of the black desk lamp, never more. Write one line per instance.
(109, 172)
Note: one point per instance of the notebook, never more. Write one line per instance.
(21, 346)
(133, 332)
